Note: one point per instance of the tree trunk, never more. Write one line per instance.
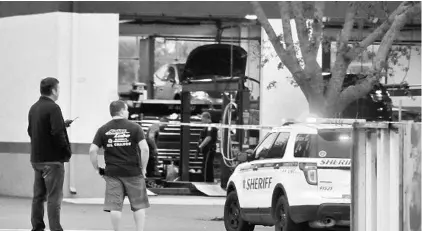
(320, 107)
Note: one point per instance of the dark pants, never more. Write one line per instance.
(208, 165)
(48, 186)
(152, 168)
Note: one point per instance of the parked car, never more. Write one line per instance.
(375, 106)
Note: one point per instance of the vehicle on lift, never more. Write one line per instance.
(167, 81)
(297, 178)
(167, 85)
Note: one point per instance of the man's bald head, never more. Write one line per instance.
(206, 117)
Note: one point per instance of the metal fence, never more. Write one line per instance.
(386, 177)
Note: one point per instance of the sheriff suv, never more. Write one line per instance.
(296, 179)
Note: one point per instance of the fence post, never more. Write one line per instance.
(358, 188)
(407, 176)
(412, 177)
(383, 178)
(371, 181)
(395, 176)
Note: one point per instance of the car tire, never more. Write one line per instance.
(283, 221)
(233, 220)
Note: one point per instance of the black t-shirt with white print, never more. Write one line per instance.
(120, 138)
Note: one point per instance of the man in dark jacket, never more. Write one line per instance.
(207, 145)
(50, 148)
(152, 139)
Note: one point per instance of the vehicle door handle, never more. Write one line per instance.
(277, 166)
(255, 168)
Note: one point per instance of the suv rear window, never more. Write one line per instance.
(334, 144)
(326, 144)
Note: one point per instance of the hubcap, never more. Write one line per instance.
(234, 215)
(283, 217)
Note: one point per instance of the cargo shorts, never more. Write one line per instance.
(117, 188)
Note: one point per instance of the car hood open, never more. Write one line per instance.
(215, 60)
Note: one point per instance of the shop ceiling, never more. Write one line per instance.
(181, 18)
(192, 9)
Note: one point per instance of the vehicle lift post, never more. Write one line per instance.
(232, 85)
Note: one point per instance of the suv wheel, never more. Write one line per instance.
(232, 219)
(283, 221)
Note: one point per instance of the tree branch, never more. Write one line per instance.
(287, 28)
(381, 30)
(340, 66)
(317, 26)
(302, 30)
(293, 67)
(353, 93)
(312, 68)
(348, 26)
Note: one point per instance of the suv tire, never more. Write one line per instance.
(233, 220)
(283, 221)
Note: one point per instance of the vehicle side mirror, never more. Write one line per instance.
(250, 154)
(242, 157)
(245, 156)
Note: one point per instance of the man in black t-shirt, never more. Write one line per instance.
(207, 145)
(126, 157)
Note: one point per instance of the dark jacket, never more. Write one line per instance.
(49, 139)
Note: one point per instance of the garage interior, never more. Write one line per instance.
(142, 58)
(180, 35)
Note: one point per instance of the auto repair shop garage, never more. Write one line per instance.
(98, 51)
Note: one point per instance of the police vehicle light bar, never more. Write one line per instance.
(316, 120)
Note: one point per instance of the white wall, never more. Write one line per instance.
(93, 65)
(284, 101)
(80, 50)
(28, 52)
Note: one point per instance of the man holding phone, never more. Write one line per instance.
(50, 149)
(125, 167)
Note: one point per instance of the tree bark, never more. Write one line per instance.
(312, 69)
(293, 66)
(287, 29)
(317, 26)
(341, 64)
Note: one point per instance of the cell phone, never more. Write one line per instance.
(101, 171)
(70, 122)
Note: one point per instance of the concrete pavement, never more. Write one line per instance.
(167, 213)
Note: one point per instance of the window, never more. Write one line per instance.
(165, 73)
(262, 150)
(128, 62)
(279, 147)
(303, 145)
(334, 143)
